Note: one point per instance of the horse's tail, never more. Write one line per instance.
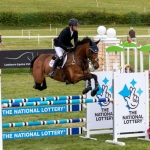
(32, 63)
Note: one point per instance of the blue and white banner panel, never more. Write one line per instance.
(41, 133)
(131, 100)
(100, 115)
(41, 110)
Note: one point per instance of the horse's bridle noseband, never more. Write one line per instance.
(89, 55)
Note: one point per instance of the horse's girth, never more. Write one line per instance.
(72, 62)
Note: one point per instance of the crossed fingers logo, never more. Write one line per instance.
(132, 100)
(104, 94)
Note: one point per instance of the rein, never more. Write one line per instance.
(73, 62)
(84, 62)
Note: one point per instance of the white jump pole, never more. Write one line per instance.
(135, 60)
(128, 58)
(52, 43)
(1, 131)
(122, 62)
(141, 61)
(149, 60)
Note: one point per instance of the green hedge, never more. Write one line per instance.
(85, 18)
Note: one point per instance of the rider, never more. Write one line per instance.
(63, 42)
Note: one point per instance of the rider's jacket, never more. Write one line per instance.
(64, 38)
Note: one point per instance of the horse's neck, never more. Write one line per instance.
(82, 50)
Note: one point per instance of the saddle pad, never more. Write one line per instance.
(51, 63)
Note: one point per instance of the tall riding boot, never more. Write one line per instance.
(51, 74)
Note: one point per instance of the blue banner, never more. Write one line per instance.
(40, 110)
(41, 133)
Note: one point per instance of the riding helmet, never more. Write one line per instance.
(73, 22)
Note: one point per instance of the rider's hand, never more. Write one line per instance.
(70, 49)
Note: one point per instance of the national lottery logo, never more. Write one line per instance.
(131, 95)
(105, 91)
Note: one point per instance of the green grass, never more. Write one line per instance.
(76, 5)
(17, 83)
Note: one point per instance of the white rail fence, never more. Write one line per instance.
(38, 37)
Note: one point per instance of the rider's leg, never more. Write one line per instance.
(57, 60)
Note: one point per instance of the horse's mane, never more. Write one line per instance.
(85, 40)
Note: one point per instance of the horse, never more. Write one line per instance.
(74, 70)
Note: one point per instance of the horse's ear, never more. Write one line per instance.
(97, 41)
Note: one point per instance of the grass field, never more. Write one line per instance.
(75, 5)
(17, 83)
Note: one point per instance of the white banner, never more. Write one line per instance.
(131, 102)
(100, 115)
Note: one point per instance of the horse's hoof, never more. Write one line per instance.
(84, 91)
(40, 89)
(45, 87)
(35, 87)
(93, 93)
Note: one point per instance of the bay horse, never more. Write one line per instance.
(75, 69)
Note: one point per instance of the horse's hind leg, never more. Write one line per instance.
(44, 86)
(39, 87)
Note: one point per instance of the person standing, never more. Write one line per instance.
(132, 35)
(63, 42)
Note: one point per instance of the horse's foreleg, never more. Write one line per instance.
(88, 88)
(94, 91)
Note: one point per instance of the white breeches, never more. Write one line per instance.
(59, 51)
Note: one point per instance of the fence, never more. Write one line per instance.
(39, 38)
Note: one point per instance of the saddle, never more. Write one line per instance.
(60, 66)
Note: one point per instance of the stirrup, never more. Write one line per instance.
(51, 74)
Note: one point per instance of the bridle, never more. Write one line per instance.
(90, 57)
(84, 61)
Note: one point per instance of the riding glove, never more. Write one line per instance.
(71, 49)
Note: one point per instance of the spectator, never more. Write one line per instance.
(132, 35)
(1, 40)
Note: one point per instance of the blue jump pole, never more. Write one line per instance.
(48, 98)
(62, 102)
(46, 122)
